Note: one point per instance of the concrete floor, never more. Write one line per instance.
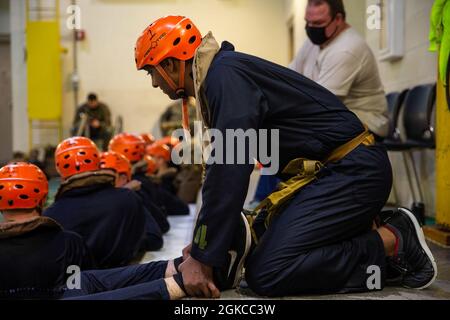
(181, 234)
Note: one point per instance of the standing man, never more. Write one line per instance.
(338, 58)
(321, 239)
(98, 121)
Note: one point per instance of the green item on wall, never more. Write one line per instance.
(440, 35)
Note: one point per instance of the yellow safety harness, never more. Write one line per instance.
(303, 172)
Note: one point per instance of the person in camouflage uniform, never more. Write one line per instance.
(99, 120)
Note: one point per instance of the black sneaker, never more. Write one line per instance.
(230, 276)
(413, 265)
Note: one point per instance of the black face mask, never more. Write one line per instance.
(318, 35)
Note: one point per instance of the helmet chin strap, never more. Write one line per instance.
(179, 90)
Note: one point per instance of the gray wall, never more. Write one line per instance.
(5, 84)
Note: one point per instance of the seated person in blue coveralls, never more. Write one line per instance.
(133, 148)
(153, 239)
(322, 239)
(35, 250)
(37, 254)
(165, 174)
(110, 220)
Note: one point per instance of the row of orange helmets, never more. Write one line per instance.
(79, 154)
(25, 186)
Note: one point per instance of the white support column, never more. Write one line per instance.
(19, 76)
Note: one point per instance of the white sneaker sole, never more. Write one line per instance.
(423, 244)
(248, 244)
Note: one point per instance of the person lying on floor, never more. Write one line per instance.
(133, 148)
(110, 220)
(319, 235)
(153, 239)
(39, 256)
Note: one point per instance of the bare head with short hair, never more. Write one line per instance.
(336, 6)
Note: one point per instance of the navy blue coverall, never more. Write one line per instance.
(322, 241)
(154, 194)
(34, 265)
(111, 221)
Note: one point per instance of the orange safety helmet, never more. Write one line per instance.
(159, 150)
(148, 138)
(129, 145)
(117, 162)
(22, 186)
(151, 164)
(169, 37)
(76, 155)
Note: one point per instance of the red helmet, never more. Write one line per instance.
(76, 155)
(151, 164)
(169, 37)
(129, 145)
(159, 150)
(148, 138)
(117, 162)
(22, 186)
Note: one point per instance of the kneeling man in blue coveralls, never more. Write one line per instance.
(318, 233)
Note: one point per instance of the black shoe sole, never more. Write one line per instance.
(421, 237)
(248, 244)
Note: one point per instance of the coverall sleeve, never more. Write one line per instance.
(235, 102)
(106, 121)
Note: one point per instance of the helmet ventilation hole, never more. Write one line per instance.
(82, 153)
(36, 190)
(188, 27)
(87, 161)
(24, 197)
(10, 203)
(67, 156)
(77, 168)
(177, 41)
(66, 166)
(19, 186)
(1, 187)
(192, 39)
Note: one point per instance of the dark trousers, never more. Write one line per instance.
(140, 282)
(323, 242)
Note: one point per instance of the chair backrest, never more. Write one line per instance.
(418, 108)
(395, 103)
